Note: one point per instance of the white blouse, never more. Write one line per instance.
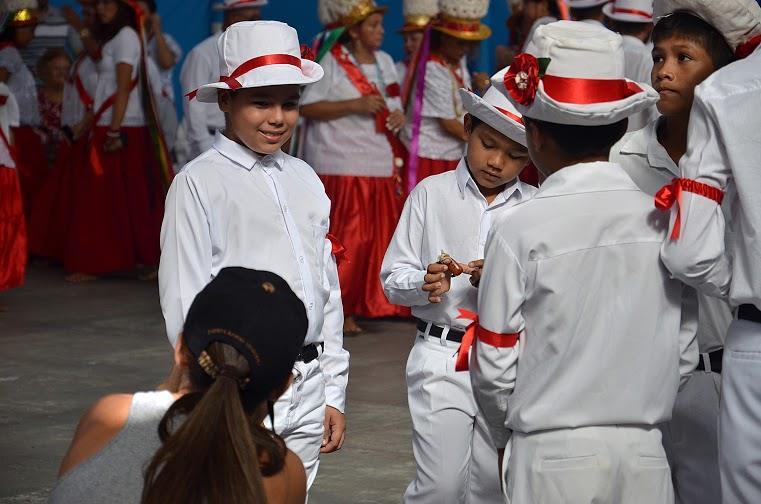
(350, 145)
(440, 101)
(123, 48)
(73, 110)
(9, 118)
(167, 87)
(22, 84)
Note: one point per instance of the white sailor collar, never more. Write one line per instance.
(645, 142)
(245, 157)
(582, 178)
(462, 173)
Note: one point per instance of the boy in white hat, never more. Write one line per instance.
(587, 11)
(245, 203)
(723, 257)
(201, 120)
(453, 212)
(687, 50)
(580, 343)
(633, 20)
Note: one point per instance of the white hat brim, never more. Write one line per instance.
(486, 112)
(545, 108)
(607, 9)
(271, 75)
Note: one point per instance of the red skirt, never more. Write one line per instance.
(427, 167)
(363, 216)
(51, 211)
(32, 164)
(117, 206)
(13, 252)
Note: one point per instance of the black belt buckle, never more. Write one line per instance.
(436, 331)
(309, 353)
(714, 359)
(749, 312)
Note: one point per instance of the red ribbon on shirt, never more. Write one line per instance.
(746, 48)
(337, 249)
(366, 88)
(672, 193)
(477, 332)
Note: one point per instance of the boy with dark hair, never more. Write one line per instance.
(452, 213)
(581, 342)
(722, 256)
(587, 11)
(687, 50)
(633, 20)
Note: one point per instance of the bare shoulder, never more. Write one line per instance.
(289, 486)
(97, 427)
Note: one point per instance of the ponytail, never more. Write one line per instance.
(212, 451)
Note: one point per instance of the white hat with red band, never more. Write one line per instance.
(227, 5)
(738, 20)
(495, 110)
(630, 11)
(585, 4)
(258, 54)
(575, 76)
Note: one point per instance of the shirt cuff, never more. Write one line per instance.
(335, 397)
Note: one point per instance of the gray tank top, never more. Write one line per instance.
(115, 474)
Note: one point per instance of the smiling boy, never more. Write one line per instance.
(453, 212)
(246, 203)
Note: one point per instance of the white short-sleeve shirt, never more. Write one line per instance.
(73, 109)
(350, 145)
(22, 84)
(9, 118)
(123, 48)
(441, 100)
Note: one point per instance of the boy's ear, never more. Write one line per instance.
(468, 123)
(224, 98)
(534, 136)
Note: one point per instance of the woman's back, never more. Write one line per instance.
(114, 473)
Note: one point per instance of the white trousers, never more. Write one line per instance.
(610, 465)
(455, 457)
(691, 440)
(740, 415)
(300, 416)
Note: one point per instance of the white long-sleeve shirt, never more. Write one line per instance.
(230, 207)
(444, 212)
(648, 164)
(576, 272)
(201, 119)
(723, 150)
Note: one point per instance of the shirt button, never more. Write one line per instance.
(311, 306)
(301, 259)
(532, 255)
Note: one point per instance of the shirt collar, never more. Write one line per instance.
(645, 143)
(585, 178)
(464, 178)
(633, 40)
(245, 157)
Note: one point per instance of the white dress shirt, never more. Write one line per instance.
(441, 100)
(230, 207)
(200, 120)
(723, 150)
(576, 272)
(648, 164)
(123, 48)
(638, 66)
(350, 145)
(444, 212)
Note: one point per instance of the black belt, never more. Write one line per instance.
(714, 361)
(310, 352)
(749, 312)
(436, 331)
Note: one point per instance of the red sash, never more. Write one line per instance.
(94, 159)
(457, 75)
(84, 96)
(366, 88)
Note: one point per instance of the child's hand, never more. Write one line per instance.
(437, 281)
(475, 271)
(370, 104)
(395, 121)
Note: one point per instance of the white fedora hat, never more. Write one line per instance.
(227, 5)
(258, 54)
(630, 11)
(738, 20)
(585, 4)
(576, 77)
(495, 110)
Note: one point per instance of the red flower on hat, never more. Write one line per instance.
(307, 53)
(522, 79)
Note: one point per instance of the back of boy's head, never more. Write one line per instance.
(682, 24)
(627, 27)
(581, 141)
(582, 13)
